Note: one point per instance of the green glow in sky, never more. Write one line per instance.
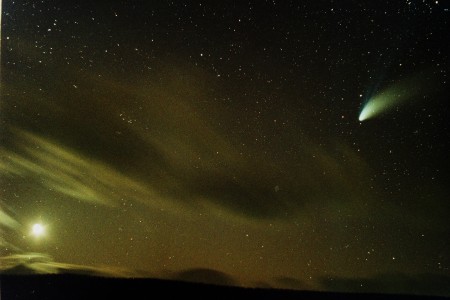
(391, 97)
(384, 101)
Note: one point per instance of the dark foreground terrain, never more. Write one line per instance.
(88, 287)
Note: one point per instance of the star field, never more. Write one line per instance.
(150, 139)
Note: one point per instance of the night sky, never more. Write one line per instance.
(175, 139)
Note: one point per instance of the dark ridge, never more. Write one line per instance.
(71, 286)
(205, 276)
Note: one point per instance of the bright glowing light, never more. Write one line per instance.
(37, 230)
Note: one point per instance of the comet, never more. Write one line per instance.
(393, 97)
(384, 101)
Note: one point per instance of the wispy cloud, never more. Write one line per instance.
(8, 221)
(63, 170)
(40, 263)
(168, 152)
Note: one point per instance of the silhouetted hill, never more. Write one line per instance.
(418, 284)
(21, 269)
(65, 286)
(209, 276)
